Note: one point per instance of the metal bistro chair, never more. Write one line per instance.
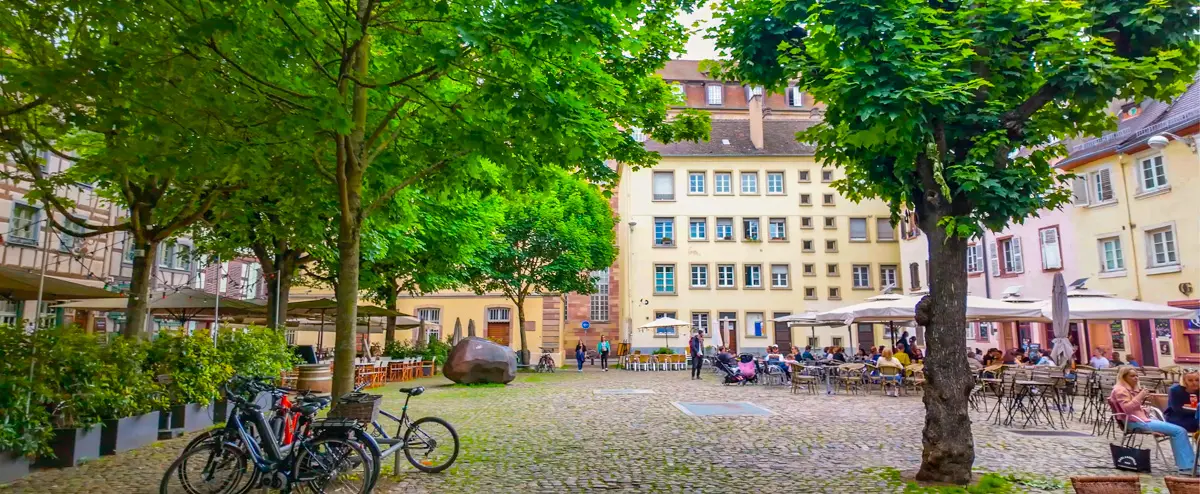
(1135, 438)
(803, 377)
(850, 377)
(889, 377)
(914, 378)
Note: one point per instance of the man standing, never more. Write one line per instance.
(696, 346)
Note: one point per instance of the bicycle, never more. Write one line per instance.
(546, 363)
(425, 434)
(324, 458)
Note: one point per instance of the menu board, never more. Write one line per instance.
(1118, 335)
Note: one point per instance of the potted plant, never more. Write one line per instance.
(257, 352)
(68, 372)
(24, 430)
(196, 373)
(134, 399)
(665, 241)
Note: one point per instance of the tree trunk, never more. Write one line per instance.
(390, 331)
(347, 304)
(277, 299)
(137, 311)
(521, 331)
(948, 447)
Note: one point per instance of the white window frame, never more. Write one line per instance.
(777, 228)
(31, 224)
(752, 275)
(698, 276)
(166, 255)
(697, 186)
(1119, 257)
(1158, 177)
(860, 275)
(664, 228)
(429, 314)
(223, 277)
(1097, 189)
(654, 181)
(499, 314)
(700, 322)
(722, 182)
(698, 229)
(749, 182)
(714, 94)
(762, 324)
(795, 97)
(251, 274)
(1051, 251)
(726, 276)
(781, 279)
(751, 229)
(1011, 254)
(974, 258)
(1169, 240)
(887, 275)
(666, 285)
(8, 311)
(775, 182)
(598, 300)
(724, 222)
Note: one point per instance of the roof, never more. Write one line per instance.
(779, 139)
(683, 70)
(1155, 117)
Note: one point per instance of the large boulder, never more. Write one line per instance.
(476, 360)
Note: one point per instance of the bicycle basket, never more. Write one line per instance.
(360, 407)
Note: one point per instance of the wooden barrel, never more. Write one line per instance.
(315, 377)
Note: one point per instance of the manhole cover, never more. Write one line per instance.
(1052, 433)
(727, 409)
(623, 391)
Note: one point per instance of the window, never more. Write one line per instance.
(858, 230)
(984, 330)
(598, 308)
(804, 176)
(699, 276)
(1111, 259)
(66, 241)
(974, 258)
(668, 330)
(779, 276)
(777, 229)
(806, 222)
(700, 322)
(835, 293)
(861, 275)
(698, 229)
(664, 278)
(831, 269)
(806, 199)
(198, 283)
(887, 276)
(795, 97)
(499, 314)
(810, 269)
(810, 293)
(166, 254)
(831, 223)
(722, 183)
(23, 228)
(1162, 247)
(774, 182)
(8, 311)
(1079, 191)
(678, 91)
(750, 229)
(754, 324)
(250, 277)
(749, 182)
(1154, 174)
(1102, 190)
(696, 183)
(183, 257)
(836, 340)
(223, 277)
(884, 231)
(827, 199)
(806, 246)
(432, 315)
(826, 176)
(46, 316)
(664, 186)
(914, 276)
(1009, 251)
(664, 231)
(753, 275)
(725, 276)
(831, 246)
(1051, 249)
(715, 93)
(724, 229)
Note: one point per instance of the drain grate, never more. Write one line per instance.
(726, 409)
(623, 391)
(1052, 433)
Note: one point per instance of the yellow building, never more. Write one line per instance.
(1136, 225)
(731, 233)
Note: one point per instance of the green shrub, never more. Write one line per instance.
(24, 428)
(400, 350)
(69, 376)
(256, 351)
(438, 349)
(196, 369)
(664, 351)
(130, 387)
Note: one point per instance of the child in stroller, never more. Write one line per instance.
(739, 374)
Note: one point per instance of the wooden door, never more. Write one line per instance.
(499, 332)
(1148, 351)
(866, 336)
(783, 333)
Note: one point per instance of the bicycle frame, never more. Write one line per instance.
(395, 443)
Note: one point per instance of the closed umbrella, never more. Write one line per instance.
(470, 328)
(1061, 350)
(457, 332)
(420, 343)
(717, 340)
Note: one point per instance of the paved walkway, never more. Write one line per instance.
(553, 433)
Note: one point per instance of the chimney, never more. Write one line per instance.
(756, 121)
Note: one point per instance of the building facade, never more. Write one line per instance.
(731, 233)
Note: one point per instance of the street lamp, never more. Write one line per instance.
(1160, 141)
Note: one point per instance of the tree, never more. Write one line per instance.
(549, 241)
(927, 102)
(424, 246)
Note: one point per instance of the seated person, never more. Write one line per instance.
(838, 354)
(1126, 400)
(1042, 360)
(778, 359)
(876, 353)
(899, 355)
(724, 357)
(807, 355)
(1133, 363)
(888, 359)
(1116, 360)
(1186, 393)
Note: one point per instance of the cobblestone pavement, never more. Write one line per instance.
(553, 433)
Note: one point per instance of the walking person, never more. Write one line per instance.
(580, 352)
(696, 346)
(603, 347)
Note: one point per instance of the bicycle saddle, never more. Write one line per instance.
(307, 408)
(413, 391)
(321, 401)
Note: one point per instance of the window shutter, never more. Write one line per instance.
(994, 255)
(1018, 261)
(1104, 185)
(884, 229)
(796, 97)
(858, 229)
(1079, 190)
(1051, 258)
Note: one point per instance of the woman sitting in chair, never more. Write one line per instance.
(887, 359)
(1126, 400)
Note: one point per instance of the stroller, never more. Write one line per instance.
(747, 369)
(731, 374)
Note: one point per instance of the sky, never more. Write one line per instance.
(697, 47)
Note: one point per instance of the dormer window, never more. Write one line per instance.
(1130, 111)
(715, 94)
(795, 97)
(752, 91)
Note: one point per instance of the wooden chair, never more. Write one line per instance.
(395, 371)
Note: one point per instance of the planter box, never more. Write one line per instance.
(122, 435)
(192, 417)
(221, 410)
(72, 447)
(12, 467)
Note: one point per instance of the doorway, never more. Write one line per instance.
(783, 333)
(499, 325)
(866, 336)
(1147, 349)
(727, 324)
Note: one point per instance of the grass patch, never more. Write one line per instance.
(989, 483)
(477, 385)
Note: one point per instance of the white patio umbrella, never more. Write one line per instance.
(718, 341)
(903, 309)
(664, 322)
(1062, 349)
(1090, 304)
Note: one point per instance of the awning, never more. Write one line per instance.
(22, 284)
(903, 309)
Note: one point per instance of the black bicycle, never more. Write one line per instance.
(429, 443)
(325, 459)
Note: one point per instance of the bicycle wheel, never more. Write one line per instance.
(209, 469)
(333, 465)
(431, 444)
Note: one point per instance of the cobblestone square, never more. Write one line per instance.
(553, 433)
